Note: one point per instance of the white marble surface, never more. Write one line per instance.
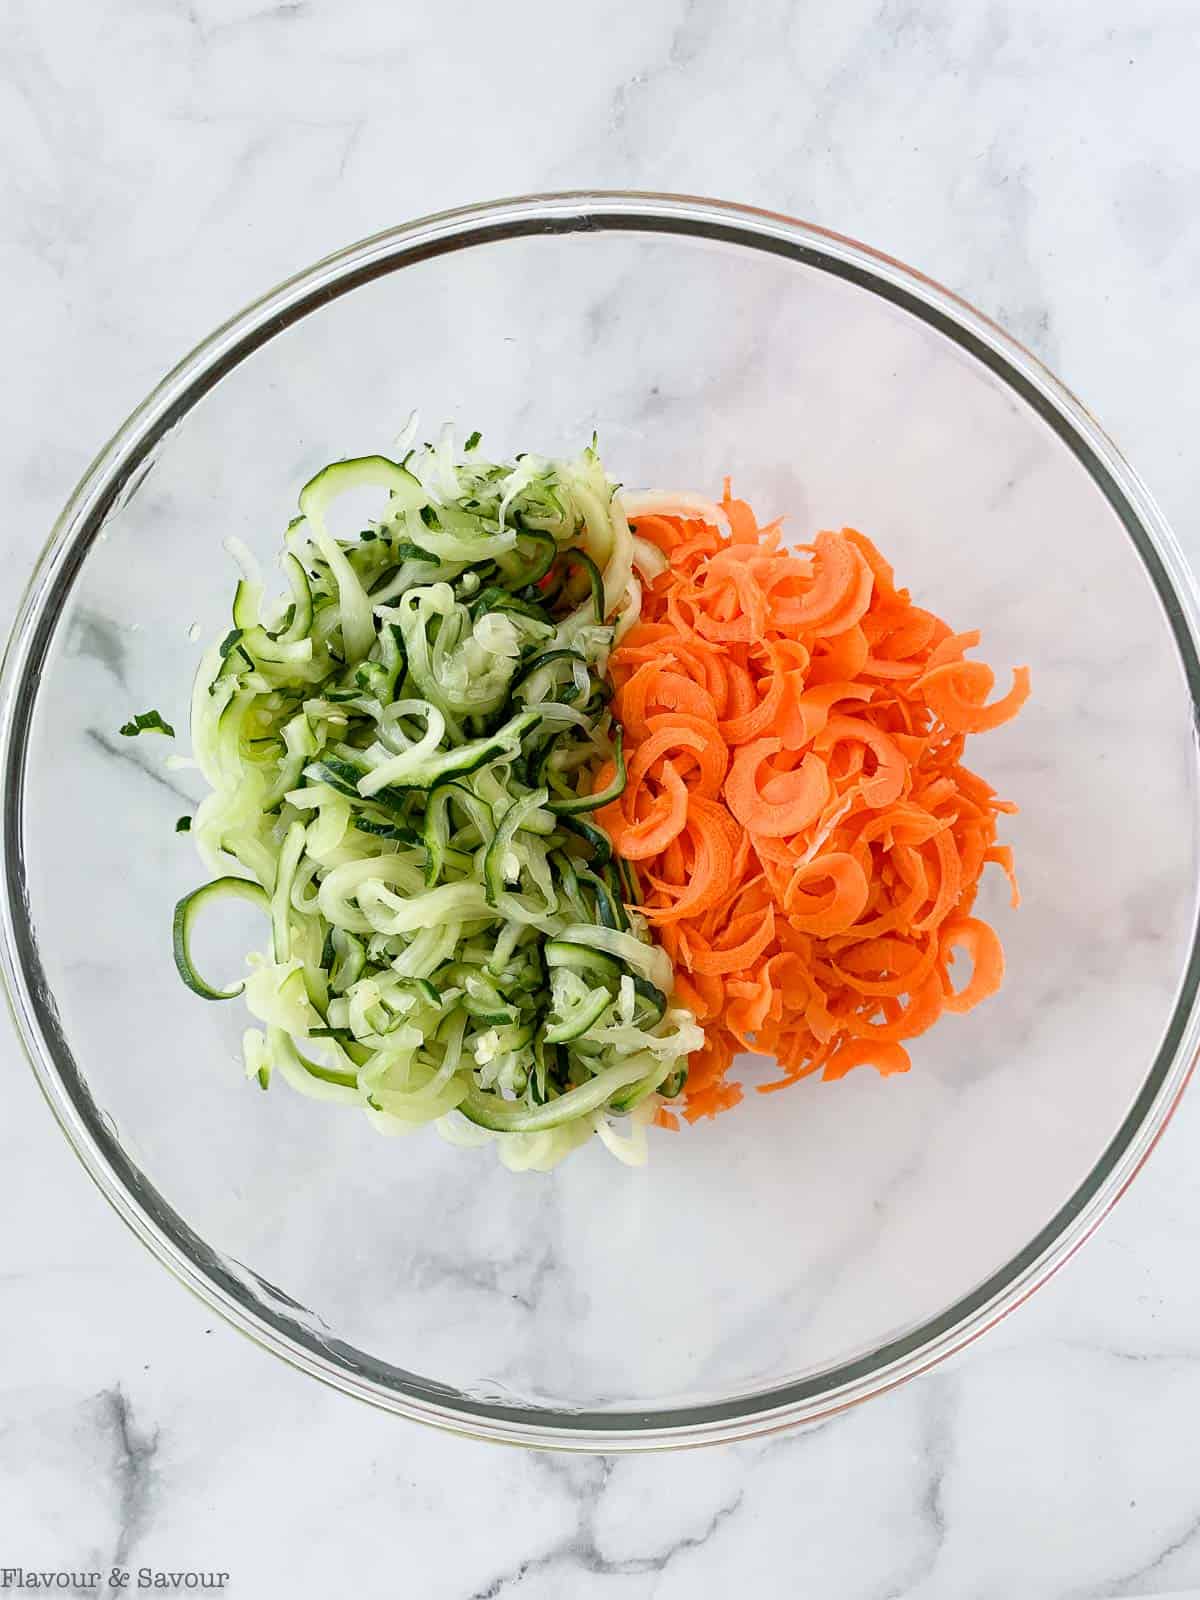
(168, 161)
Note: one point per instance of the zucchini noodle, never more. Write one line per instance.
(400, 754)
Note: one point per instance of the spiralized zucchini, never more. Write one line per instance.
(400, 757)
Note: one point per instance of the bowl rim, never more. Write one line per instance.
(114, 475)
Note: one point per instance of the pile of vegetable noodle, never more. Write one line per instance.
(401, 756)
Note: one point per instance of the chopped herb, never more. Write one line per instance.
(473, 442)
(147, 722)
(184, 825)
(429, 517)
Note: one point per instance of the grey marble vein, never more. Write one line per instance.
(125, 750)
(1133, 1582)
(284, 11)
(135, 1469)
(935, 1459)
(100, 639)
(521, 1281)
(580, 1552)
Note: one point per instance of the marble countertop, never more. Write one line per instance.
(168, 161)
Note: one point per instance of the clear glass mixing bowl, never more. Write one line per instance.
(810, 1248)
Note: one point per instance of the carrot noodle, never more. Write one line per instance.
(808, 842)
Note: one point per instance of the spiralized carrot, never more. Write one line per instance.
(808, 841)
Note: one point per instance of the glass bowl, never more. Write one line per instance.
(808, 1249)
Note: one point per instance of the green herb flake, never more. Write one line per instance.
(183, 825)
(147, 722)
